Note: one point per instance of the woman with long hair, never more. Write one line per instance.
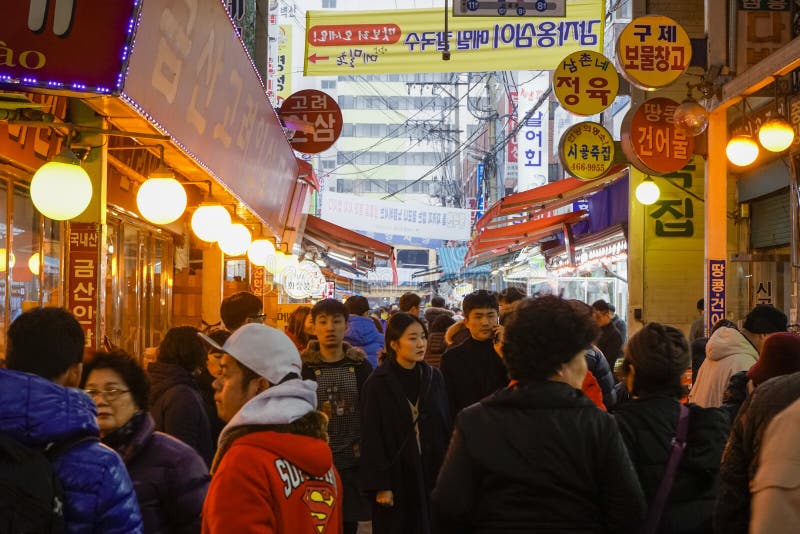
(300, 327)
(405, 426)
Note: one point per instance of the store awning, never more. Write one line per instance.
(547, 197)
(343, 245)
(493, 242)
(306, 174)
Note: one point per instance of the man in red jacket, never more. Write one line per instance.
(273, 472)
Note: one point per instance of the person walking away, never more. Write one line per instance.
(405, 429)
(698, 328)
(610, 340)
(729, 351)
(273, 472)
(538, 456)
(436, 342)
(361, 330)
(40, 407)
(507, 299)
(776, 485)
(169, 477)
(474, 369)
(410, 303)
(340, 371)
(239, 309)
(436, 309)
(177, 406)
(656, 358)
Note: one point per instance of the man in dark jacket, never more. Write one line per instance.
(740, 459)
(598, 366)
(474, 369)
(610, 341)
(40, 406)
(435, 310)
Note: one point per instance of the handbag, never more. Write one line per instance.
(660, 500)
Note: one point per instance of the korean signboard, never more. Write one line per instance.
(716, 292)
(512, 148)
(395, 220)
(510, 8)
(283, 63)
(303, 281)
(677, 212)
(533, 142)
(652, 142)
(42, 40)
(762, 27)
(189, 72)
(653, 51)
(34, 146)
(585, 83)
(83, 273)
(587, 150)
(412, 40)
(319, 109)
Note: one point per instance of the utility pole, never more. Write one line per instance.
(261, 44)
(490, 180)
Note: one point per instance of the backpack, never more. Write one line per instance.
(31, 496)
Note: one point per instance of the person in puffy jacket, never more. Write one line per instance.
(177, 405)
(656, 358)
(361, 330)
(39, 406)
(436, 342)
(169, 477)
(538, 456)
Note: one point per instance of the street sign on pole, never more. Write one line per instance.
(503, 8)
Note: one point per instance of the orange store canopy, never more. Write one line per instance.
(346, 245)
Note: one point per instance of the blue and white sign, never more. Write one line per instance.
(481, 195)
(716, 292)
(533, 145)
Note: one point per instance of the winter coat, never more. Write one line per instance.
(274, 471)
(457, 334)
(739, 387)
(621, 327)
(741, 457)
(362, 333)
(472, 371)
(537, 457)
(169, 477)
(177, 407)
(98, 491)
(390, 456)
(727, 353)
(433, 312)
(598, 365)
(435, 349)
(610, 344)
(592, 390)
(648, 426)
(775, 487)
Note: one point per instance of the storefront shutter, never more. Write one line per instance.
(770, 224)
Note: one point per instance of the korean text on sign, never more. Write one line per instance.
(716, 290)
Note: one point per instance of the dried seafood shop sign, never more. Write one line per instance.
(651, 140)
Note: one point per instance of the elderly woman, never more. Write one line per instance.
(169, 477)
(539, 456)
(655, 360)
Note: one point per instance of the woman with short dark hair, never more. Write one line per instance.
(656, 358)
(538, 455)
(405, 426)
(177, 405)
(169, 477)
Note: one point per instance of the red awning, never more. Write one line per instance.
(306, 174)
(545, 198)
(514, 237)
(346, 245)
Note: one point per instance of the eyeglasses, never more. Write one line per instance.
(110, 395)
(257, 318)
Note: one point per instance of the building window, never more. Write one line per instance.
(328, 84)
(328, 4)
(328, 164)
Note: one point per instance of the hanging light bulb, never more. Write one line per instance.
(235, 240)
(260, 251)
(11, 260)
(742, 150)
(209, 221)
(61, 189)
(33, 264)
(691, 116)
(161, 198)
(647, 192)
(776, 135)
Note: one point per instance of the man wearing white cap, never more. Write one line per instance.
(273, 471)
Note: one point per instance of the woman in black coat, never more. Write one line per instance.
(405, 426)
(169, 477)
(655, 360)
(538, 456)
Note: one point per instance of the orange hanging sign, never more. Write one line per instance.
(652, 141)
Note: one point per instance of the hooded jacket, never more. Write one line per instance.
(274, 472)
(433, 312)
(727, 353)
(98, 492)
(538, 457)
(169, 477)
(177, 407)
(362, 333)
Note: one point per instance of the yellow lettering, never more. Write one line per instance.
(40, 59)
(6, 55)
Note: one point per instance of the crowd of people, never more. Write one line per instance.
(510, 414)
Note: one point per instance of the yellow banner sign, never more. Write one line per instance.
(653, 51)
(283, 85)
(341, 43)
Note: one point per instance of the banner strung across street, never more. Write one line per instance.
(341, 43)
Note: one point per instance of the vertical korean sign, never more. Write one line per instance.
(716, 292)
(83, 271)
(533, 146)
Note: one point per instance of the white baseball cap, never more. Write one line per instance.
(266, 350)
